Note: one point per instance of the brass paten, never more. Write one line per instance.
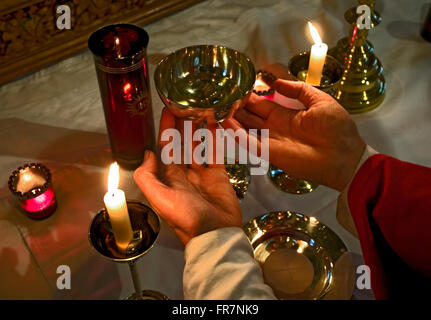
(287, 183)
(362, 87)
(307, 236)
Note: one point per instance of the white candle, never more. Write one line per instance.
(317, 58)
(116, 205)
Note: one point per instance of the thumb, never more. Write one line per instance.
(299, 90)
(146, 178)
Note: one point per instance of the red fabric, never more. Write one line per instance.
(390, 201)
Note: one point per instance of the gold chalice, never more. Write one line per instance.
(206, 84)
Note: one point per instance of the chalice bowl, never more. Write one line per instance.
(207, 84)
(146, 227)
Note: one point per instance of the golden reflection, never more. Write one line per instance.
(302, 246)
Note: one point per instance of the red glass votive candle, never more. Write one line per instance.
(264, 85)
(121, 65)
(32, 185)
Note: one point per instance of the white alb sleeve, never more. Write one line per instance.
(219, 265)
(344, 216)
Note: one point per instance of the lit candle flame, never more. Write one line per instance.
(314, 34)
(113, 177)
(26, 177)
(117, 41)
(260, 85)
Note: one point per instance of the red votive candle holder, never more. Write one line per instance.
(32, 186)
(120, 56)
(264, 85)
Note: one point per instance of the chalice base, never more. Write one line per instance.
(289, 184)
(239, 177)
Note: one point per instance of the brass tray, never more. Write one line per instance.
(301, 258)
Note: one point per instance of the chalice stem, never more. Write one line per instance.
(136, 280)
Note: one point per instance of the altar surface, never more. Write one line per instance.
(55, 116)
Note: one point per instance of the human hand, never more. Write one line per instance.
(192, 199)
(320, 144)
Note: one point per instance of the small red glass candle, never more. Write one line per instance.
(264, 85)
(32, 185)
(121, 65)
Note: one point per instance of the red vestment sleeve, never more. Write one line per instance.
(390, 202)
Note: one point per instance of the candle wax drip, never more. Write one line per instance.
(142, 239)
(302, 76)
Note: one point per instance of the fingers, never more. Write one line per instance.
(186, 142)
(167, 121)
(249, 120)
(243, 139)
(146, 178)
(298, 90)
(213, 154)
(204, 148)
(231, 123)
(260, 106)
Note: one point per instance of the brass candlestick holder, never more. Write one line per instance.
(363, 86)
(330, 82)
(146, 227)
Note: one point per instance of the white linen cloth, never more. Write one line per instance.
(55, 116)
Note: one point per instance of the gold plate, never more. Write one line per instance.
(299, 256)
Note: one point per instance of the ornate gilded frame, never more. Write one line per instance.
(30, 40)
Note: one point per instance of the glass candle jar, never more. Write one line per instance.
(264, 85)
(121, 65)
(32, 186)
